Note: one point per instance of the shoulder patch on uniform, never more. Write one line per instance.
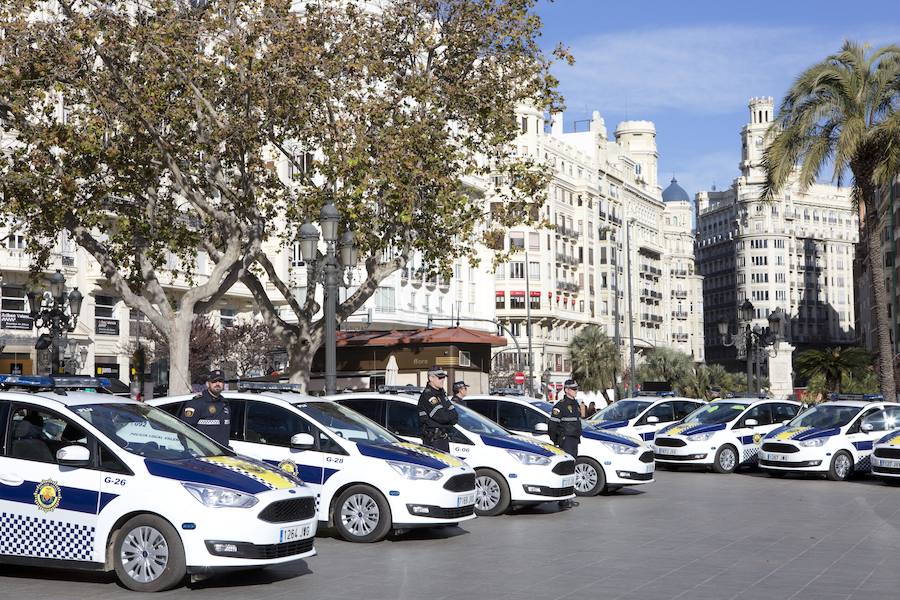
(433, 400)
(555, 411)
(189, 412)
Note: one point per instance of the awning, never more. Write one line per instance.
(441, 335)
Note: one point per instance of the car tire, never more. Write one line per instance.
(590, 475)
(726, 460)
(361, 514)
(491, 493)
(148, 555)
(841, 467)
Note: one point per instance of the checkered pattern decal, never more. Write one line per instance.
(45, 538)
(865, 464)
(750, 454)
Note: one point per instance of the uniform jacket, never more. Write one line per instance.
(209, 415)
(565, 420)
(436, 413)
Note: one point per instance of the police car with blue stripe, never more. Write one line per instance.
(606, 460)
(835, 437)
(644, 415)
(82, 476)
(723, 434)
(367, 480)
(509, 470)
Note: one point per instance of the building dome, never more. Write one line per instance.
(675, 193)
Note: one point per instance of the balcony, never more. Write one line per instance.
(679, 314)
(679, 272)
(680, 337)
(679, 294)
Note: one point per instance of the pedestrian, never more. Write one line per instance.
(208, 412)
(591, 409)
(460, 389)
(436, 413)
(582, 409)
(564, 425)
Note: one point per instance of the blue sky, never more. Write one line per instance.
(691, 66)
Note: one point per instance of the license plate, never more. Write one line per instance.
(465, 499)
(650, 468)
(568, 481)
(890, 464)
(660, 450)
(776, 457)
(292, 534)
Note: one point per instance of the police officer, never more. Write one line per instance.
(460, 389)
(436, 413)
(564, 425)
(208, 412)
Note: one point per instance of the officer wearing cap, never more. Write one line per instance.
(460, 389)
(208, 412)
(436, 413)
(564, 425)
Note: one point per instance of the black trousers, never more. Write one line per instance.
(443, 444)
(569, 444)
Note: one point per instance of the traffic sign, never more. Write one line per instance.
(519, 378)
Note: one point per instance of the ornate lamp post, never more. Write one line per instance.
(58, 312)
(344, 251)
(753, 339)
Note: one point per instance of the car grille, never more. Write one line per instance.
(566, 467)
(672, 442)
(780, 448)
(461, 483)
(887, 452)
(439, 512)
(558, 492)
(269, 551)
(647, 457)
(283, 511)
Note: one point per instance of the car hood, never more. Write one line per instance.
(686, 430)
(607, 436)
(234, 472)
(891, 439)
(607, 424)
(509, 442)
(409, 453)
(802, 433)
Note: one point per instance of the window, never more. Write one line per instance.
(524, 124)
(518, 417)
(373, 409)
(535, 300)
(402, 418)
(665, 412)
(487, 408)
(296, 255)
(138, 325)
(36, 434)
(683, 409)
(517, 270)
(105, 307)
(762, 413)
(534, 270)
(500, 300)
(875, 419)
(517, 302)
(14, 299)
(783, 412)
(516, 240)
(534, 241)
(385, 299)
(227, 317)
(273, 425)
(15, 241)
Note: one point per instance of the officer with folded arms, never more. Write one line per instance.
(208, 412)
(564, 425)
(436, 413)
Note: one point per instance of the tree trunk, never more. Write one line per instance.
(180, 354)
(879, 306)
(300, 365)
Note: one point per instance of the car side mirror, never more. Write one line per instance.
(73, 456)
(786, 421)
(867, 427)
(540, 428)
(751, 423)
(302, 441)
(652, 419)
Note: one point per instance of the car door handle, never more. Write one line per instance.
(13, 480)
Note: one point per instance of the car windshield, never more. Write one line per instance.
(825, 416)
(716, 413)
(623, 410)
(476, 423)
(346, 423)
(149, 432)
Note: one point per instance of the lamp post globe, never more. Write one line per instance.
(747, 311)
(348, 252)
(75, 298)
(329, 217)
(57, 286)
(723, 328)
(309, 242)
(776, 320)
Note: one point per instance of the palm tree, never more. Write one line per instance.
(595, 359)
(665, 364)
(833, 364)
(842, 110)
(697, 384)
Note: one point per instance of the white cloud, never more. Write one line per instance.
(707, 70)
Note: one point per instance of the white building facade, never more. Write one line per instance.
(795, 252)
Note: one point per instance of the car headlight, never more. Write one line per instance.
(814, 443)
(411, 471)
(219, 497)
(701, 437)
(620, 448)
(529, 458)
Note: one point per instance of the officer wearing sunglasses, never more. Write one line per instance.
(436, 413)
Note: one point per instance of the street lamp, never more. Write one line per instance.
(329, 219)
(56, 311)
(754, 339)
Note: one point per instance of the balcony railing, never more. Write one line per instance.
(679, 314)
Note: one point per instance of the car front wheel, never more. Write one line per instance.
(361, 514)
(491, 493)
(590, 479)
(841, 467)
(148, 555)
(726, 459)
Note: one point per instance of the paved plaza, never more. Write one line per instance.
(690, 535)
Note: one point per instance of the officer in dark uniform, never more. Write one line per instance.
(209, 412)
(436, 413)
(460, 389)
(564, 425)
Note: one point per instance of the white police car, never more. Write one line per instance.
(886, 458)
(606, 460)
(93, 481)
(644, 415)
(723, 434)
(367, 481)
(508, 469)
(835, 437)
